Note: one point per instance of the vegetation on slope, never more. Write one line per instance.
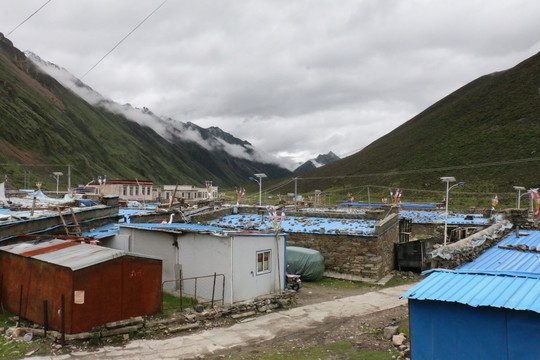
(45, 123)
(494, 119)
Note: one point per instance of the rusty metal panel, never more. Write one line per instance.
(39, 281)
(141, 285)
(110, 290)
(102, 299)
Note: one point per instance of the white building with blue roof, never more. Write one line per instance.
(488, 308)
(353, 249)
(252, 263)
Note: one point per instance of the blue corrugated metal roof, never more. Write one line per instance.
(407, 205)
(186, 227)
(477, 289)
(500, 277)
(103, 231)
(175, 227)
(359, 227)
(437, 217)
(509, 260)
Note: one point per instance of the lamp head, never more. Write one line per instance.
(461, 183)
(448, 178)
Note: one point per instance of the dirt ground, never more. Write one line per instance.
(365, 332)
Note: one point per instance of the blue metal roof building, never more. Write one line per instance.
(486, 309)
(300, 224)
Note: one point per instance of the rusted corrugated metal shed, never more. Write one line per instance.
(99, 284)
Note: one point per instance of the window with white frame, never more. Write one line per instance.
(263, 261)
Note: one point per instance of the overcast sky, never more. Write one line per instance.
(294, 78)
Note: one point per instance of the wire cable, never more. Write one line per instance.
(124, 38)
(28, 18)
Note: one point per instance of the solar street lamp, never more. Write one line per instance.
(260, 177)
(57, 175)
(519, 188)
(448, 180)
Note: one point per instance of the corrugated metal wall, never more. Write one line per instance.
(39, 281)
(113, 290)
(449, 331)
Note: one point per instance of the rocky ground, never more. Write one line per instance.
(364, 333)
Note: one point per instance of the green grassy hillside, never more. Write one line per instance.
(487, 134)
(46, 126)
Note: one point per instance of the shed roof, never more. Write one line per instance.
(70, 254)
(502, 259)
(179, 228)
(175, 227)
(480, 289)
(500, 277)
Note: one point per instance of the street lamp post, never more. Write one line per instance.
(260, 176)
(519, 188)
(57, 175)
(448, 180)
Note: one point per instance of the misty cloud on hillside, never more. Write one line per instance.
(166, 127)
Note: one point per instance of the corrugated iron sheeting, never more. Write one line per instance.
(175, 227)
(502, 291)
(359, 227)
(505, 278)
(434, 217)
(504, 260)
(81, 256)
(30, 245)
(73, 257)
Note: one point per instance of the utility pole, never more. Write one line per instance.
(368, 197)
(295, 191)
(69, 178)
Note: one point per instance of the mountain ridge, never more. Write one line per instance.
(320, 160)
(45, 122)
(494, 119)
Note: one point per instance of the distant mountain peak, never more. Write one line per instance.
(320, 160)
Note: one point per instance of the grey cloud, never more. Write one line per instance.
(293, 78)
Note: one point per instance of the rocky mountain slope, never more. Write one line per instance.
(47, 125)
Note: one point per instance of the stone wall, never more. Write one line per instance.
(367, 258)
(468, 249)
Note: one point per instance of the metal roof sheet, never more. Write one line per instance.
(103, 231)
(175, 227)
(437, 217)
(179, 228)
(74, 257)
(480, 289)
(500, 277)
(509, 260)
(359, 227)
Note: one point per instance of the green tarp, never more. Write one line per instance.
(308, 263)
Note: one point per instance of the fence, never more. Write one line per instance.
(202, 290)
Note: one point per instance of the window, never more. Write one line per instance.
(263, 262)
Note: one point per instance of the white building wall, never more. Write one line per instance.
(203, 255)
(247, 284)
(198, 254)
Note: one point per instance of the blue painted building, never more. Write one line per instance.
(486, 309)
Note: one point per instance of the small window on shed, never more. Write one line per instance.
(263, 262)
